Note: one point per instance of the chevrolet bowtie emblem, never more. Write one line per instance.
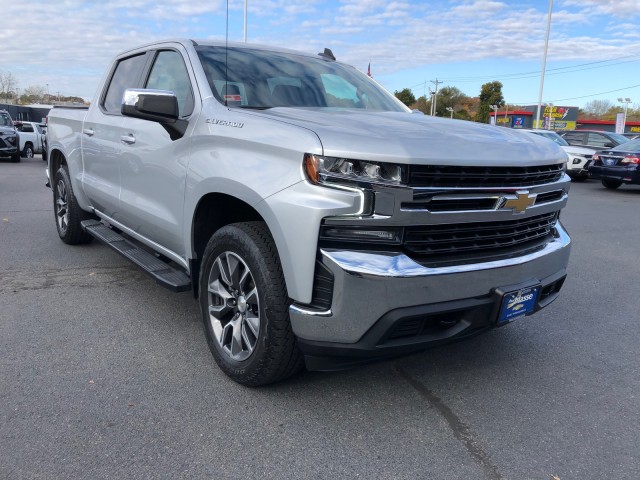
(521, 202)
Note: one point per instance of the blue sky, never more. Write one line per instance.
(594, 50)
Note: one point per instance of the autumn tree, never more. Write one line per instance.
(406, 96)
(597, 108)
(490, 94)
(450, 97)
(34, 94)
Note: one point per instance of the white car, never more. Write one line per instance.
(578, 158)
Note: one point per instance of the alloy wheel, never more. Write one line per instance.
(234, 306)
(62, 211)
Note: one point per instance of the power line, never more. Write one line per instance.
(532, 74)
(583, 96)
(535, 73)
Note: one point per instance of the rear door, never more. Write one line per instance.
(101, 137)
(152, 165)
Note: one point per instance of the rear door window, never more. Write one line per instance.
(598, 140)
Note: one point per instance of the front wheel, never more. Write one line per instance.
(611, 184)
(67, 212)
(245, 307)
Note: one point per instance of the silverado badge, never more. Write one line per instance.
(520, 202)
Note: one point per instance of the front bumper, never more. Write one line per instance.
(625, 174)
(386, 304)
(578, 166)
(8, 152)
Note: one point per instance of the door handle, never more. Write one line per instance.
(88, 131)
(129, 139)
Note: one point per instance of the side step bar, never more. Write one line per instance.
(165, 275)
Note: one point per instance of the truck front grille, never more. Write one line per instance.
(478, 239)
(442, 176)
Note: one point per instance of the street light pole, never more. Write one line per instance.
(544, 64)
(495, 113)
(245, 21)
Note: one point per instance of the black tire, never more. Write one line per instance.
(15, 157)
(27, 152)
(67, 212)
(271, 354)
(611, 184)
(578, 179)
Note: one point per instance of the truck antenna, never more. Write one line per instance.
(226, 56)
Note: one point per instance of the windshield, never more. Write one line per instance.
(5, 120)
(264, 79)
(553, 136)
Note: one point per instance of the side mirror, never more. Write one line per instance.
(609, 145)
(154, 105)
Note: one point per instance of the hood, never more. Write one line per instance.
(577, 150)
(418, 139)
(6, 130)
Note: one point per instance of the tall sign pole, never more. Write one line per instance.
(245, 21)
(544, 64)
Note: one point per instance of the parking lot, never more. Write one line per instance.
(104, 374)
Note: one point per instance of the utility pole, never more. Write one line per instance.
(431, 98)
(435, 95)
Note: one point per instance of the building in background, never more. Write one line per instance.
(27, 113)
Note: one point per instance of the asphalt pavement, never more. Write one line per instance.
(106, 375)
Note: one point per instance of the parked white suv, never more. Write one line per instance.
(578, 159)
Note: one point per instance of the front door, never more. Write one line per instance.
(153, 167)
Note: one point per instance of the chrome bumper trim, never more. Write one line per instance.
(369, 285)
(400, 265)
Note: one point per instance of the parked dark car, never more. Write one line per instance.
(9, 139)
(618, 165)
(594, 139)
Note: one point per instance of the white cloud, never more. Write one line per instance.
(82, 37)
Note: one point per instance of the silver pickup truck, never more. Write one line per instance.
(317, 219)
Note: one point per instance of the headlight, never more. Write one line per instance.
(342, 170)
(12, 140)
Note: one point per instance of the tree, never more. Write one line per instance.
(406, 96)
(421, 104)
(8, 84)
(597, 108)
(34, 94)
(449, 97)
(490, 94)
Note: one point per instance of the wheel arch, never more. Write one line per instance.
(213, 211)
(57, 159)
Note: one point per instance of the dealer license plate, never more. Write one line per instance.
(518, 304)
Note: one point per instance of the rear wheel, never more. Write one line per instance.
(245, 307)
(28, 151)
(611, 184)
(67, 212)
